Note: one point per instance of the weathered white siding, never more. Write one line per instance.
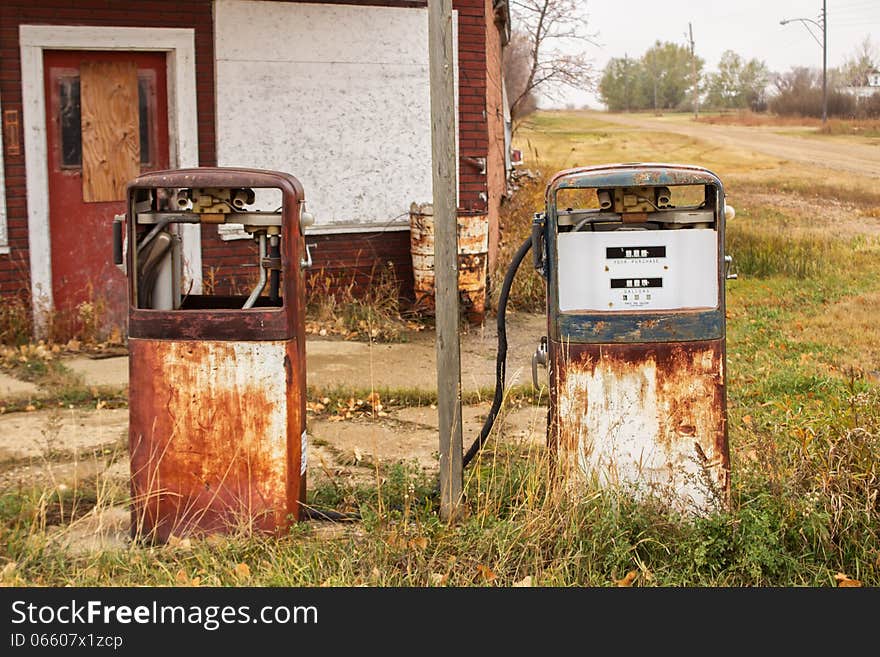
(337, 95)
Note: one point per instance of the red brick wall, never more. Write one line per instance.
(496, 176)
(473, 125)
(15, 267)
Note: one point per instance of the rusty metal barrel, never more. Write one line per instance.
(473, 260)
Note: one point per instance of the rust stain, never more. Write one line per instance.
(209, 437)
(647, 416)
(473, 248)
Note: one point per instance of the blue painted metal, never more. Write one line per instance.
(633, 326)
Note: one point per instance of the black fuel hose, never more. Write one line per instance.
(501, 358)
(311, 513)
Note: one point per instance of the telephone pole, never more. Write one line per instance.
(445, 255)
(694, 73)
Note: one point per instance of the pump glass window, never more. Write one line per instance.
(647, 248)
(237, 275)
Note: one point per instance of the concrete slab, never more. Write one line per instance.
(109, 372)
(47, 433)
(410, 365)
(365, 442)
(12, 389)
(101, 530)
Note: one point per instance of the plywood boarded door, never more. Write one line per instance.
(107, 118)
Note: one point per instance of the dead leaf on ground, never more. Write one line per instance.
(177, 543)
(419, 543)
(486, 573)
(241, 571)
(525, 582)
(8, 569)
(844, 580)
(628, 579)
(439, 579)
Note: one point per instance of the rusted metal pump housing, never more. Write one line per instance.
(634, 260)
(217, 383)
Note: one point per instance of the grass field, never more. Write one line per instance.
(804, 431)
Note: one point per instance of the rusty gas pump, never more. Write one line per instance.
(633, 256)
(217, 381)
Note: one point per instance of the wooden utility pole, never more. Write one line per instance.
(445, 254)
(694, 73)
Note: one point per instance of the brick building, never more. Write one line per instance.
(335, 93)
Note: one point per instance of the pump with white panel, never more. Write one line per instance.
(634, 260)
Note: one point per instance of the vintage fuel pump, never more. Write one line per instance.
(633, 257)
(634, 261)
(217, 381)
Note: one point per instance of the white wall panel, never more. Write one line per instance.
(337, 95)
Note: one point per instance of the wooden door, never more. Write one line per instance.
(107, 120)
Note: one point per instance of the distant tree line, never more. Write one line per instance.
(662, 79)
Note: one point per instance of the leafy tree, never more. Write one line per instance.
(738, 83)
(666, 79)
(620, 87)
(659, 79)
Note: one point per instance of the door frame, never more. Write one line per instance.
(183, 138)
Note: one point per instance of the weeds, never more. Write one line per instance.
(521, 524)
(337, 306)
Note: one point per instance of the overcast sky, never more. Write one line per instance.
(749, 27)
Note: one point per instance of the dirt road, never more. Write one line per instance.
(831, 153)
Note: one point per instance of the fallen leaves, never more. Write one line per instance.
(8, 570)
(371, 407)
(486, 573)
(177, 543)
(627, 579)
(418, 543)
(241, 571)
(845, 581)
(183, 579)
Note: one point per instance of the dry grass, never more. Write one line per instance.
(335, 306)
(557, 140)
(857, 127)
(850, 328)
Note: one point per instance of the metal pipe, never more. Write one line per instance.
(275, 274)
(261, 284)
(153, 232)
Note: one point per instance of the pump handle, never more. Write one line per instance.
(117, 240)
(538, 242)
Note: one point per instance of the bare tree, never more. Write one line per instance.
(556, 32)
(517, 63)
(864, 60)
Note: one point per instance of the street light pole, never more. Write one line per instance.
(824, 63)
(824, 45)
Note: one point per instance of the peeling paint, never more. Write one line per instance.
(209, 442)
(473, 263)
(647, 418)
